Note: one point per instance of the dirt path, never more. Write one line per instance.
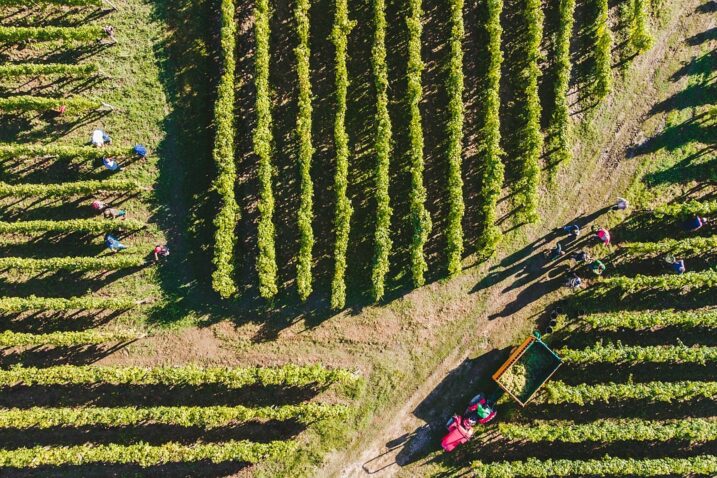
(404, 435)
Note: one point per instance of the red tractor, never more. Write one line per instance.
(460, 428)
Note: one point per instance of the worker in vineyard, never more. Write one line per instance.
(603, 235)
(98, 205)
(160, 251)
(114, 213)
(678, 266)
(140, 151)
(113, 244)
(581, 256)
(574, 282)
(111, 164)
(99, 138)
(695, 224)
(597, 267)
(573, 231)
(555, 252)
(621, 204)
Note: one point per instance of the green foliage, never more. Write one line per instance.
(602, 52)
(9, 338)
(383, 152)
(689, 246)
(493, 171)
(143, 454)
(607, 466)
(531, 139)
(456, 207)
(560, 127)
(9, 151)
(71, 225)
(223, 153)
(19, 104)
(204, 417)
(559, 392)
(86, 33)
(640, 38)
(68, 189)
(266, 262)
(686, 209)
(651, 319)
(306, 150)
(48, 70)
(104, 263)
(610, 430)
(287, 375)
(339, 37)
(23, 304)
(618, 353)
(419, 216)
(65, 3)
(688, 280)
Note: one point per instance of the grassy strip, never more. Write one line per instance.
(607, 466)
(456, 207)
(68, 189)
(693, 430)
(689, 280)
(558, 392)
(559, 129)
(382, 147)
(306, 150)
(48, 70)
(143, 454)
(19, 104)
(266, 260)
(494, 171)
(419, 216)
(650, 319)
(287, 375)
(531, 139)
(339, 37)
(86, 33)
(23, 304)
(204, 417)
(223, 153)
(70, 225)
(602, 52)
(77, 264)
(62, 339)
(691, 245)
(686, 209)
(10, 151)
(618, 353)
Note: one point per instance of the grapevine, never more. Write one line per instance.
(650, 319)
(611, 353)
(559, 392)
(105, 263)
(22, 304)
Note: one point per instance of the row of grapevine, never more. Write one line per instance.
(77, 264)
(223, 155)
(607, 466)
(419, 216)
(618, 353)
(204, 417)
(609, 430)
(602, 52)
(306, 150)
(143, 454)
(33, 151)
(84, 33)
(263, 138)
(686, 209)
(558, 392)
(639, 38)
(63, 3)
(493, 174)
(63, 339)
(382, 148)
(24, 304)
(651, 319)
(69, 189)
(529, 134)
(559, 129)
(19, 104)
(48, 70)
(339, 36)
(688, 280)
(70, 225)
(287, 375)
(456, 207)
(689, 246)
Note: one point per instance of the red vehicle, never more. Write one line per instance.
(460, 428)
